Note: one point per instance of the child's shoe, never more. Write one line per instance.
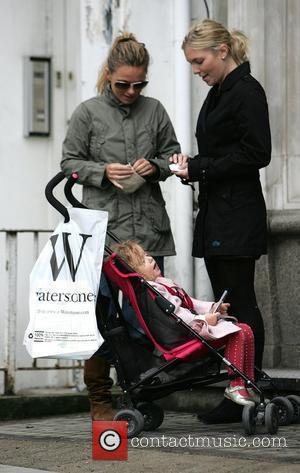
(239, 395)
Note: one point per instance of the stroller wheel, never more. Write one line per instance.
(153, 415)
(285, 410)
(134, 419)
(271, 418)
(248, 419)
(295, 400)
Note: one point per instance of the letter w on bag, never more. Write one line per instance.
(68, 254)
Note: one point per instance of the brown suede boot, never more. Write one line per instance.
(98, 383)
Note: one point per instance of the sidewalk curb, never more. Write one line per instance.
(25, 406)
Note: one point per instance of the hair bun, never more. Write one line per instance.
(125, 36)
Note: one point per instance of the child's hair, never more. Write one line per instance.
(125, 51)
(209, 34)
(131, 252)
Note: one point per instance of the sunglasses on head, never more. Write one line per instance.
(123, 85)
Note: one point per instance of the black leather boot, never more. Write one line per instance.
(224, 413)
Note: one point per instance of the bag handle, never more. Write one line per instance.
(53, 200)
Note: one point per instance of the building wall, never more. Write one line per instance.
(273, 27)
(32, 28)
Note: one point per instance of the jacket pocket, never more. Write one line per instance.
(226, 194)
(97, 141)
(158, 216)
(220, 199)
(151, 136)
(106, 199)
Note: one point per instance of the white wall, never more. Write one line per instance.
(31, 28)
(24, 162)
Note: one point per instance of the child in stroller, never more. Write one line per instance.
(168, 344)
(238, 338)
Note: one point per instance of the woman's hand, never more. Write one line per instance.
(182, 161)
(115, 172)
(144, 167)
(212, 318)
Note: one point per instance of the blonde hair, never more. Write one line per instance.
(131, 252)
(210, 34)
(125, 51)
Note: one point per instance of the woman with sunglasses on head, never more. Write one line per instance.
(119, 143)
(234, 142)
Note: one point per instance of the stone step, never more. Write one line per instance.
(285, 379)
(44, 402)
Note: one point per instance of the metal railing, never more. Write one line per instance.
(11, 311)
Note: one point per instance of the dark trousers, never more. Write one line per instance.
(237, 275)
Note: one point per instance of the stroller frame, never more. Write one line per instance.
(136, 408)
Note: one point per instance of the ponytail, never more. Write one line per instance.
(239, 47)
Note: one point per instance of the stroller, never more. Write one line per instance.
(169, 355)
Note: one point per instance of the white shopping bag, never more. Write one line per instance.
(64, 285)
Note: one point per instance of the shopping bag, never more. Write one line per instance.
(64, 285)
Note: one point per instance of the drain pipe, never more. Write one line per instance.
(182, 196)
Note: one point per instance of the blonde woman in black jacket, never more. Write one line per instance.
(234, 142)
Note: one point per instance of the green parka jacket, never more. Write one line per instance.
(103, 131)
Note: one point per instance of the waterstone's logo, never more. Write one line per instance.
(56, 268)
(68, 255)
(48, 296)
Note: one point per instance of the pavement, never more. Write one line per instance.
(33, 440)
(182, 443)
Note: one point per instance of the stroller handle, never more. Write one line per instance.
(68, 191)
(59, 177)
(73, 201)
(53, 200)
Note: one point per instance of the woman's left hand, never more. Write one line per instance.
(182, 161)
(144, 167)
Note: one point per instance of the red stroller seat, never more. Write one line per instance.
(154, 313)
